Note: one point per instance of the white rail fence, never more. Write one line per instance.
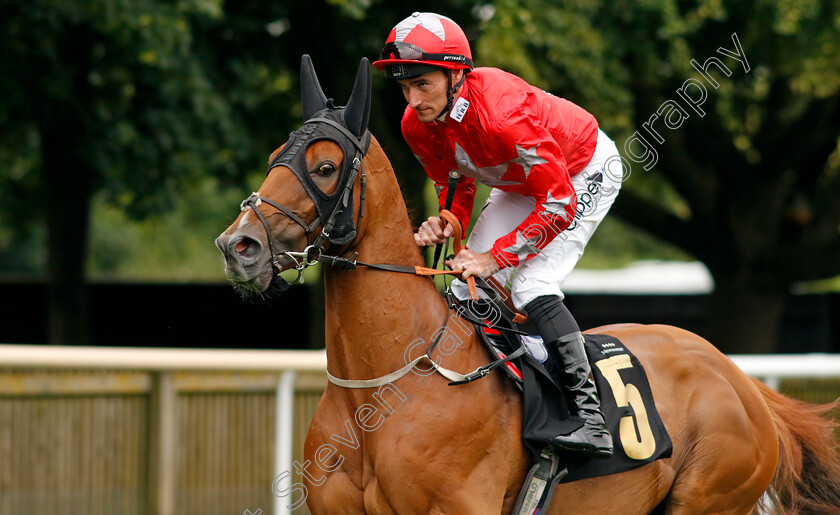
(287, 365)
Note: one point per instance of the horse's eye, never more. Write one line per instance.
(326, 169)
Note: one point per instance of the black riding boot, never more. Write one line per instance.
(571, 371)
(593, 438)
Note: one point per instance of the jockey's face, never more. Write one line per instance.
(426, 94)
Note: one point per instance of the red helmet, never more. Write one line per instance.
(422, 43)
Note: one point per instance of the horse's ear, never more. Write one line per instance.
(312, 97)
(358, 107)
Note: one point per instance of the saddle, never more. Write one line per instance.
(639, 435)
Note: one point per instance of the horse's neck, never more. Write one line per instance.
(373, 316)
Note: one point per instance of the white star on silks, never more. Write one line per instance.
(557, 207)
(528, 158)
(523, 247)
(489, 175)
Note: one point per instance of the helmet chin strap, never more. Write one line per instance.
(450, 91)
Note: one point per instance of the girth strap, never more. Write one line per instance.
(486, 369)
(453, 376)
(393, 376)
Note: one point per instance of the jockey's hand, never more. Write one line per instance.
(474, 264)
(430, 232)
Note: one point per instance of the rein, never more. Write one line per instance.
(455, 378)
(313, 254)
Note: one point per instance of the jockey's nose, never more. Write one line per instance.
(413, 97)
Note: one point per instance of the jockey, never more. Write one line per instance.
(554, 175)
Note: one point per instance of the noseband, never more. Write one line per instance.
(329, 207)
(336, 205)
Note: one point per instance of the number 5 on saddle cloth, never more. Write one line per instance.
(639, 435)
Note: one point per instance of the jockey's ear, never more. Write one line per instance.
(358, 107)
(312, 97)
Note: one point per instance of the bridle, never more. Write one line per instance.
(312, 253)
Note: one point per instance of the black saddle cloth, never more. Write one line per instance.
(639, 436)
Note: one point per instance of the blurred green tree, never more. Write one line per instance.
(139, 100)
(728, 114)
(136, 101)
(118, 97)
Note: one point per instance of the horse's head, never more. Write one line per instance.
(307, 199)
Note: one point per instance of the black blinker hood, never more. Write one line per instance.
(344, 126)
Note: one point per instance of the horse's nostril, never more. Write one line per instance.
(247, 247)
(242, 246)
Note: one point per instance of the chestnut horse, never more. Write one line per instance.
(417, 445)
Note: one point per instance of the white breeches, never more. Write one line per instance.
(545, 273)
